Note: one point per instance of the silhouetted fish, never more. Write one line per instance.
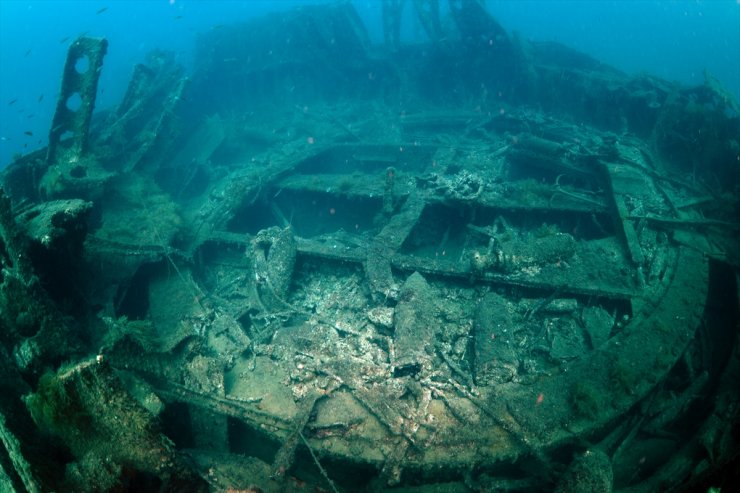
(100, 11)
(12, 102)
(41, 98)
(28, 132)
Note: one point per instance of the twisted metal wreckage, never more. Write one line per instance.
(475, 264)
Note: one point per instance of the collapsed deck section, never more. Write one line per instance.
(425, 287)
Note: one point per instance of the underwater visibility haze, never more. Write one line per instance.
(370, 245)
(676, 40)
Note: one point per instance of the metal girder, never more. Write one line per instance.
(76, 97)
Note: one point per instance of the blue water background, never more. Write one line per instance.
(676, 40)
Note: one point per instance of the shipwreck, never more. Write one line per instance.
(318, 264)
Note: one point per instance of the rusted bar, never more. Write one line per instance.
(76, 98)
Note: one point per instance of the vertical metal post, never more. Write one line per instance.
(76, 99)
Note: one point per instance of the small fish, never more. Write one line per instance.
(217, 26)
(28, 132)
(178, 17)
(30, 115)
(12, 102)
(100, 11)
(28, 52)
(4, 139)
(41, 98)
(64, 40)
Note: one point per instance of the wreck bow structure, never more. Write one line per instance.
(316, 264)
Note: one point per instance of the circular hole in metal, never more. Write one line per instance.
(74, 102)
(82, 64)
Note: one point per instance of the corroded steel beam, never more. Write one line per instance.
(76, 98)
